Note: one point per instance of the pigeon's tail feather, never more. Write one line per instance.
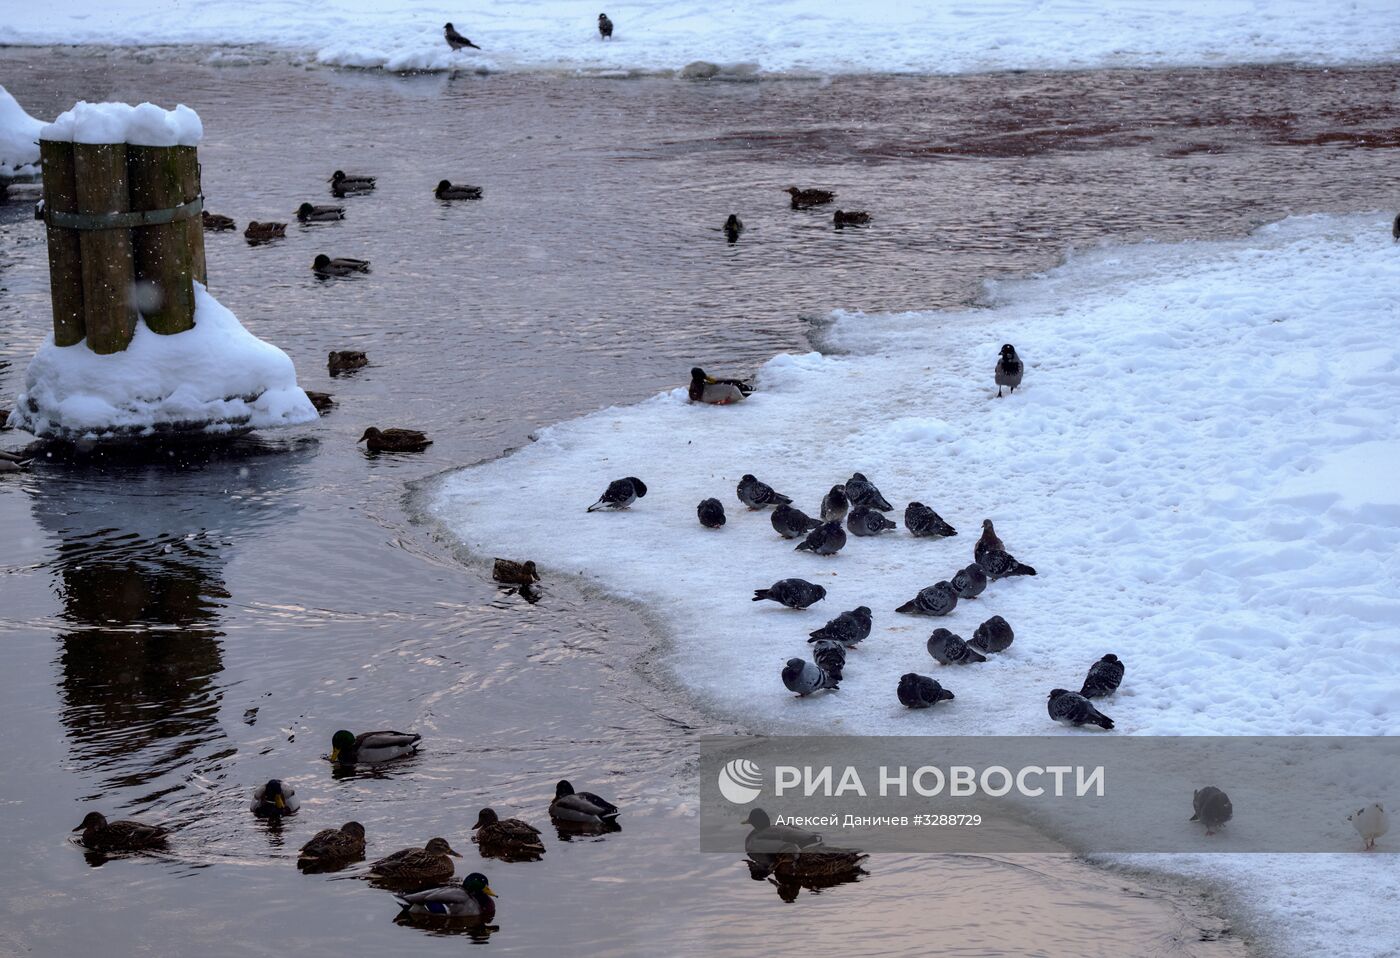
(1101, 720)
(760, 594)
(974, 655)
(909, 607)
(804, 546)
(1021, 568)
(1196, 817)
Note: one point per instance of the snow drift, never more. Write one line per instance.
(19, 136)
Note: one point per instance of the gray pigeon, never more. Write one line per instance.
(1009, 369)
(848, 628)
(937, 599)
(1212, 807)
(792, 523)
(970, 582)
(756, 495)
(831, 656)
(950, 649)
(990, 553)
(1104, 677)
(711, 513)
(922, 521)
(793, 593)
(920, 691)
(826, 539)
(860, 491)
(620, 494)
(1074, 709)
(867, 522)
(994, 635)
(803, 678)
(835, 504)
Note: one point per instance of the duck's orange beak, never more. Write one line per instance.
(487, 889)
(277, 800)
(335, 754)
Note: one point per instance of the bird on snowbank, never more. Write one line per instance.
(1009, 369)
(215, 223)
(990, 553)
(620, 494)
(274, 800)
(802, 678)
(826, 539)
(471, 899)
(844, 218)
(308, 213)
(511, 572)
(803, 199)
(1370, 823)
(455, 40)
(1212, 808)
(580, 808)
(1103, 678)
(860, 491)
(427, 864)
(100, 835)
(793, 593)
(835, 504)
(868, 522)
(792, 523)
(757, 495)
(1074, 709)
(970, 582)
(342, 183)
(917, 691)
(605, 26)
(848, 628)
(507, 838)
(830, 655)
(994, 635)
(394, 440)
(716, 392)
(324, 266)
(923, 522)
(733, 226)
(331, 848)
(711, 513)
(344, 360)
(447, 190)
(937, 599)
(372, 748)
(256, 232)
(950, 649)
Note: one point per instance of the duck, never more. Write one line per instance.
(274, 800)
(263, 232)
(427, 864)
(471, 899)
(515, 573)
(767, 840)
(100, 835)
(342, 183)
(4, 418)
(322, 401)
(845, 218)
(605, 26)
(395, 440)
(344, 360)
(332, 847)
(580, 808)
(455, 40)
(802, 199)
(447, 190)
(372, 748)
(733, 227)
(215, 223)
(717, 392)
(307, 213)
(323, 265)
(508, 837)
(796, 864)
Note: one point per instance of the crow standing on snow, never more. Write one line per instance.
(455, 40)
(604, 26)
(1009, 369)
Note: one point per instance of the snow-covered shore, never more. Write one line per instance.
(773, 36)
(19, 138)
(1191, 465)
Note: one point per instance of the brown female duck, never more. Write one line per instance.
(395, 440)
(506, 837)
(100, 835)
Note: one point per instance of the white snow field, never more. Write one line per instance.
(1201, 465)
(774, 36)
(19, 138)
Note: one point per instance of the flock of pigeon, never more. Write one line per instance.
(416, 876)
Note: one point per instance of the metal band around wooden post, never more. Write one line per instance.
(65, 256)
(99, 171)
(170, 254)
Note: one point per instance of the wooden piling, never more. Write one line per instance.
(99, 171)
(65, 255)
(168, 255)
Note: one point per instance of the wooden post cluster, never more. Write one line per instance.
(103, 265)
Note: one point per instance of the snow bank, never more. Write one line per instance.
(143, 125)
(780, 36)
(19, 135)
(1197, 465)
(215, 378)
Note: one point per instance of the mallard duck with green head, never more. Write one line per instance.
(275, 799)
(508, 838)
(447, 190)
(309, 213)
(767, 840)
(717, 392)
(342, 183)
(333, 847)
(395, 440)
(427, 864)
(100, 835)
(323, 265)
(471, 899)
(580, 808)
(372, 748)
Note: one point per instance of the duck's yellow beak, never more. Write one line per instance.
(277, 800)
(711, 380)
(335, 754)
(487, 889)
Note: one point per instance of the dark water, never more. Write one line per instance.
(176, 628)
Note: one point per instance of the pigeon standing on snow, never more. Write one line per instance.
(994, 635)
(1212, 807)
(867, 522)
(604, 26)
(992, 556)
(950, 649)
(923, 522)
(455, 40)
(937, 599)
(1395, 228)
(793, 593)
(710, 513)
(792, 523)
(826, 539)
(920, 691)
(756, 495)
(1104, 677)
(620, 494)
(835, 504)
(831, 656)
(1074, 709)
(970, 582)
(860, 491)
(803, 678)
(848, 628)
(1009, 369)
(1370, 823)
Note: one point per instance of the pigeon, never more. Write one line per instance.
(937, 599)
(447, 190)
(802, 199)
(1212, 807)
(994, 635)
(1009, 369)
(1103, 678)
(970, 582)
(757, 495)
(620, 494)
(716, 392)
(860, 491)
(793, 593)
(990, 553)
(342, 183)
(950, 649)
(844, 218)
(455, 40)
(324, 266)
(1074, 709)
(848, 628)
(604, 26)
(733, 226)
(307, 213)
(835, 504)
(711, 513)
(803, 678)
(1370, 823)
(920, 691)
(826, 539)
(988, 542)
(831, 656)
(792, 523)
(868, 522)
(923, 522)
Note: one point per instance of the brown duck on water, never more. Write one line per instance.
(262, 232)
(333, 847)
(427, 864)
(100, 835)
(844, 218)
(506, 837)
(344, 360)
(514, 573)
(322, 401)
(215, 223)
(802, 199)
(395, 440)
